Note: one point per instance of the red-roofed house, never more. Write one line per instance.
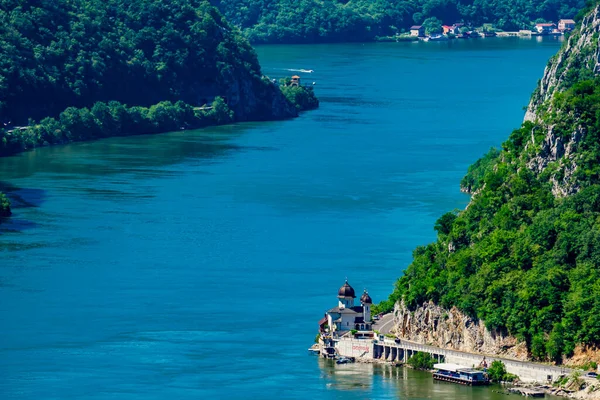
(545, 28)
(566, 25)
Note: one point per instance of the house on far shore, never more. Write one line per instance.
(545, 28)
(447, 29)
(566, 25)
(417, 30)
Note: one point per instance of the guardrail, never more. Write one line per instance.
(407, 345)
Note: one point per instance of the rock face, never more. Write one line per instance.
(451, 329)
(579, 59)
(581, 50)
(254, 99)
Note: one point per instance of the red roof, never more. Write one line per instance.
(295, 77)
(415, 27)
(567, 21)
(322, 321)
(544, 24)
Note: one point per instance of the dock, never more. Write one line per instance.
(527, 392)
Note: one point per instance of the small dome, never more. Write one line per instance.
(346, 291)
(365, 298)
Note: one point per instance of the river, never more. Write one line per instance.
(195, 265)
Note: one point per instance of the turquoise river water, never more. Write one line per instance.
(195, 265)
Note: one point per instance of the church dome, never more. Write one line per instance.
(346, 291)
(365, 298)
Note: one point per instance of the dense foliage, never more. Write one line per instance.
(112, 119)
(273, 21)
(496, 371)
(421, 360)
(524, 256)
(4, 205)
(303, 97)
(56, 54)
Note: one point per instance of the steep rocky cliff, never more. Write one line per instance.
(452, 329)
(517, 272)
(578, 60)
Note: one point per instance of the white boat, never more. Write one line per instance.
(437, 38)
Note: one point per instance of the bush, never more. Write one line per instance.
(497, 371)
(303, 98)
(421, 360)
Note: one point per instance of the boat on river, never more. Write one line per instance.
(460, 374)
(437, 38)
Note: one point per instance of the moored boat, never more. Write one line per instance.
(460, 374)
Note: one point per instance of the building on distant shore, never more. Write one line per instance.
(566, 25)
(417, 30)
(346, 316)
(545, 27)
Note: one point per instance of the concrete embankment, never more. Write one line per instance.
(396, 350)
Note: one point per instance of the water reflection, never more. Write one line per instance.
(400, 382)
(347, 377)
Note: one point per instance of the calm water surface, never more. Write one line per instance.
(195, 265)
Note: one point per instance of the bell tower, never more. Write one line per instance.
(346, 296)
(366, 302)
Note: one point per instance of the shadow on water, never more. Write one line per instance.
(141, 156)
(20, 198)
(131, 154)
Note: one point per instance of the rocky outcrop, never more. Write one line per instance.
(579, 59)
(580, 51)
(560, 150)
(451, 329)
(254, 99)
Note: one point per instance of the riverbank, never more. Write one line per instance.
(112, 119)
(525, 34)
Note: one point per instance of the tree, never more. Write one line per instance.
(443, 225)
(432, 26)
(555, 344)
(497, 371)
(421, 360)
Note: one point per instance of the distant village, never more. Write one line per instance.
(463, 31)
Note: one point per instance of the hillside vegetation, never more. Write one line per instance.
(74, 70)
(56, 54)
(524, 256)
(311, 21)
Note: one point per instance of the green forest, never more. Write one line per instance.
(523, 257)
(56, 54)
(312, 21)
(98, 68)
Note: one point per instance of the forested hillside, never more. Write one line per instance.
(56, 54)
(524, 256)
(309, 21)
(73, 70)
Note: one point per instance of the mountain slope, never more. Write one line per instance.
(56, 54)
(524, 257)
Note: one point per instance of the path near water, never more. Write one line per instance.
(195, 265)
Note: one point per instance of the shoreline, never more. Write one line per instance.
(547, 389)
